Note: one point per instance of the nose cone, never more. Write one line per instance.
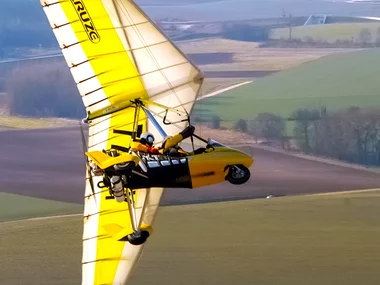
(244, 158)
(248, 160)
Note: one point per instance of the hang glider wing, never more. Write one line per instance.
(116, 54)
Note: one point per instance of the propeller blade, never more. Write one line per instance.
(140, 174)
(88, 167)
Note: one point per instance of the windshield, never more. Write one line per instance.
(214, 143)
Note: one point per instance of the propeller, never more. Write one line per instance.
(87, 162)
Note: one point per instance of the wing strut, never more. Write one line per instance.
(154, 122)
(132, 210)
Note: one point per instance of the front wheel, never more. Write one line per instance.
(124, 167)
(138, 238)
(238, 174)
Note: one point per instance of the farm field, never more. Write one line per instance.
(224, 62)
(14, 122)
(247, 56)
(16, 207)
(329, 238)
(55, 170)
(337, 81)
(320, 239)
(330, 32)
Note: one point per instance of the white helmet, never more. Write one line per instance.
(147, 138)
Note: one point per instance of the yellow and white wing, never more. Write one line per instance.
(116, 54)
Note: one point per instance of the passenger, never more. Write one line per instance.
(170, 144)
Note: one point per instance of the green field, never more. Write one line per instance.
(15, 207)
(321, 239)
(336, 81)
(328, 33)
(13, 122)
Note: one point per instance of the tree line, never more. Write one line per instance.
(38, 89)
(351, 134)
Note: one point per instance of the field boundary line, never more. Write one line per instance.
(340, 192)
(223, 90)
(42, 218)
(230, 199)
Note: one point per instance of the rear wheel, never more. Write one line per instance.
(238, 174)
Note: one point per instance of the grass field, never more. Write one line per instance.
(338, 81)
(248, 55)
(320, 239)
(13, 122)
(329, 32)
(15, 207)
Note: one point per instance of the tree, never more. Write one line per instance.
(290, 24)
(215, 122)
(304, 119)
(332, 136)
(365, 36)
(241, 125)
(246, 32)
(378, 37)
(352, 135)
(289, 21)
(268, 125)
(364, 124)
(44, 90)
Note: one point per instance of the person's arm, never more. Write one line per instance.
(174, 140)
(188, 132)
(137, 146)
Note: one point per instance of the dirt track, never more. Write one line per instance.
(50, 164)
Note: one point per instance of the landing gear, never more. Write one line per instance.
(238, 174)
(117, 185)
(137, 238)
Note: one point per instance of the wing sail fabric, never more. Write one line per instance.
(169, 77)
(105, 73)
(106, 260)
(116, 54)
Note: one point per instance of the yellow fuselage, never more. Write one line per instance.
(193, 171)
(212, 167)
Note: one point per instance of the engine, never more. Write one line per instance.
(117, 188)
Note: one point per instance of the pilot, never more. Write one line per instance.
(147, 139)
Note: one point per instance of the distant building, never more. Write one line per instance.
(320, 19)
(316, 19)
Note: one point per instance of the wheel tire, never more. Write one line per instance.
(126, 166)
(138, 240)
(238, 176)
